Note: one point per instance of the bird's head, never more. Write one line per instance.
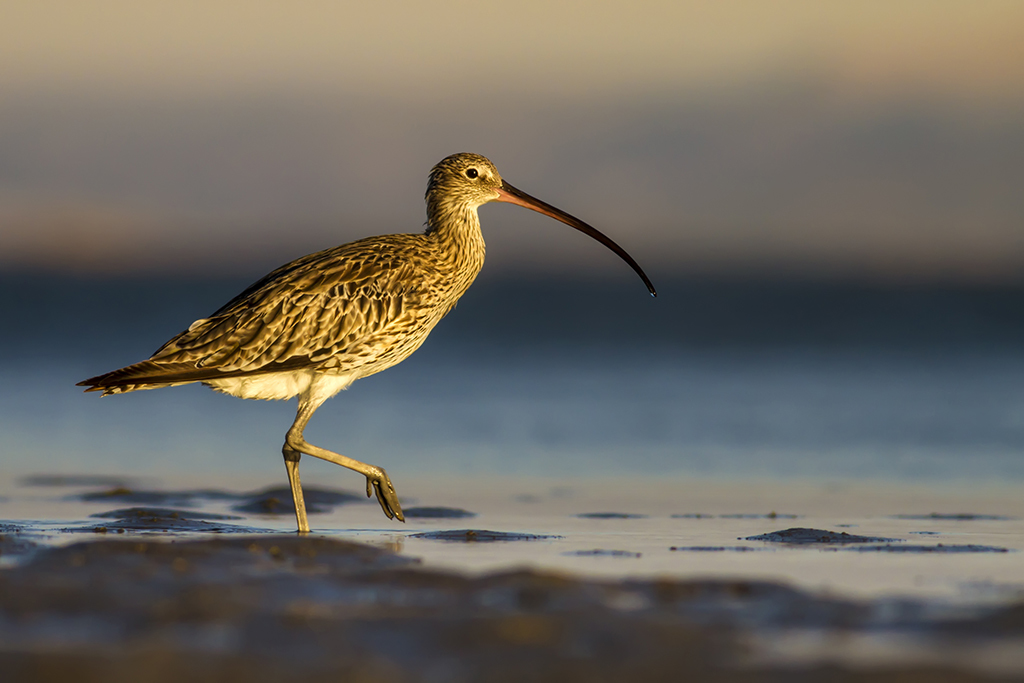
(464, 179)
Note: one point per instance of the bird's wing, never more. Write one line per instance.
(308, 311)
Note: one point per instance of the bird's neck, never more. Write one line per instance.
(456, 231)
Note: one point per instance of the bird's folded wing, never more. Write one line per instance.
(311, 310)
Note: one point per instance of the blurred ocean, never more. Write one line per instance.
(716, 378)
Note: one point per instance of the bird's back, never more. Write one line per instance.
(352, 310)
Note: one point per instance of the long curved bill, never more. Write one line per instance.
(512, 195)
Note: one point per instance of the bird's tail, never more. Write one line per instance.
(144, 375)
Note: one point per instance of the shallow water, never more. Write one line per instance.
(559, 379)
(649, 455)
(957, 544)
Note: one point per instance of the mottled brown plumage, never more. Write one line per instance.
(314, 326)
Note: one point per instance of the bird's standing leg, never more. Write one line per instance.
(291, 463)
(377, 480)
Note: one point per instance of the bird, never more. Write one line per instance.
(312, 327)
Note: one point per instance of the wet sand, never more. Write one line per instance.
(512, 579)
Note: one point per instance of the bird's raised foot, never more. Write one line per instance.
(378, 482)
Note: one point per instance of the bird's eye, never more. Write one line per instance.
(472, 173)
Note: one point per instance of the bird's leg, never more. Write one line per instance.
(377, 480)
(291, 463)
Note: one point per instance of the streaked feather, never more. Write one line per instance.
(358, 308)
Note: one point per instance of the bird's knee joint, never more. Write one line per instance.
(290, 453)
(294, 441)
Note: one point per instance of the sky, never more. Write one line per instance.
(871, 139)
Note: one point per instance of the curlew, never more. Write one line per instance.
(315, 325)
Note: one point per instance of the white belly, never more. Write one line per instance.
(279, 386)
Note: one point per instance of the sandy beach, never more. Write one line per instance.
(498, 579)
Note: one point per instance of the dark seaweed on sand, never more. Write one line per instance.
(802, 536)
